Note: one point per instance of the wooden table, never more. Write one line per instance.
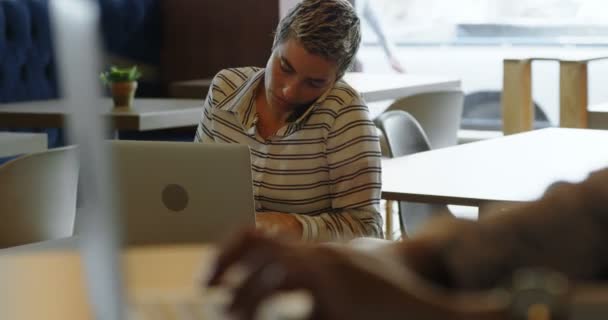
(47, 281)
(516, 168)
(517, 105)
(15, 143)
(373, 87)
(147, 114)
(50, 283)
(62, 244)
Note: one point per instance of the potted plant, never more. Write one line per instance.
(123, 83)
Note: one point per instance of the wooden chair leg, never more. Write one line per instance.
(388, 234)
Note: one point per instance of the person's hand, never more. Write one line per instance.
(396, 64)
(279, 224)
(339, 289)
(340, 282)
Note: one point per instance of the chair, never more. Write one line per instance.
(439, 113)
(38, 196)
(482, 111)
(404, 136)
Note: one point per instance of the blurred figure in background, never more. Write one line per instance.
(366, 11)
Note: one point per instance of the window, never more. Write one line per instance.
(577, 22)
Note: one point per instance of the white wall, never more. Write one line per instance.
(481, 68)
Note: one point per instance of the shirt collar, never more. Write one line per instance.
(243, 105)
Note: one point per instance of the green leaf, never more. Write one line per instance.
(117, 74)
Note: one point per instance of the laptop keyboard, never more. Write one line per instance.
(177, 307)
(212, 306)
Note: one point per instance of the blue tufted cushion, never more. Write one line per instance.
(119, 19)
(26, 55)
(130, 28)
(17, 23)
(4, 160)
(27, 70)
(40, 78)
(16, 40)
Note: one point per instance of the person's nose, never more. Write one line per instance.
(290, 90)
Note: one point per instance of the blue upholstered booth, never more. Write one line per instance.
(27, 70)
(130, 29)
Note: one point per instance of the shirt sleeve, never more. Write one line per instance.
(204, 131)
(353, 158)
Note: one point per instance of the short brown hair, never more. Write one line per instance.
(329, 28)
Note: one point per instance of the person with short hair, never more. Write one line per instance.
(315, 151)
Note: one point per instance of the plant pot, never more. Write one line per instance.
(123, 94)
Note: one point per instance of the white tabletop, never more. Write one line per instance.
(16, 143)
(514, 168)
(147, 114)
(372, 86)
(378, 87)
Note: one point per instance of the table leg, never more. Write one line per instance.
(516, 100)
(573, 94)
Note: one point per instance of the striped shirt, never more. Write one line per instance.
(323, 166)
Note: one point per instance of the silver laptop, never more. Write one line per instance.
(167, 185)
(178, 192)
(76, 39)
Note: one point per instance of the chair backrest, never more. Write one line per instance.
(38, 196)
(439, 113)
(482, 111)
(404, 136)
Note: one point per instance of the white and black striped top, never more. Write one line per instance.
(323, 167)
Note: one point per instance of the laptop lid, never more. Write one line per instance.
(178, 192)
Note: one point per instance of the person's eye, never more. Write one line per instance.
(285, 68)
(316, 84)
